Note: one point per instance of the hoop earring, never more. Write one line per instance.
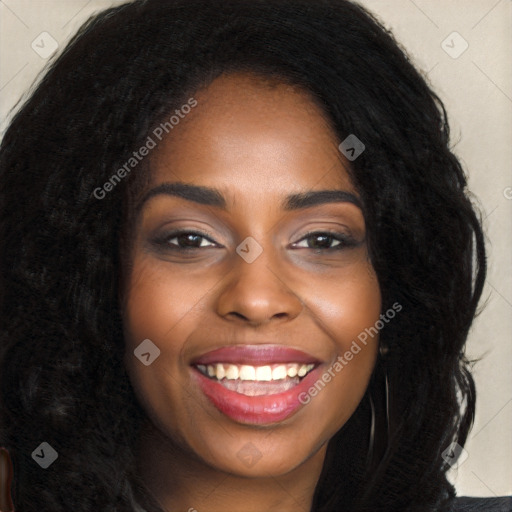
(383, 351)
(371, 442)
(386, 383)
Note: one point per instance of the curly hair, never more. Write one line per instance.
(61, 340)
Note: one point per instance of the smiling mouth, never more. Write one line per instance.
(256, 380)
(255, 384)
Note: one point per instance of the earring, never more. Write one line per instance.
(386, 384)
(383, 350)
(371, 442)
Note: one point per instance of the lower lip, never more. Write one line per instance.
(256, 410)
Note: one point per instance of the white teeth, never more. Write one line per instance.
(220, 373)
(247, 373)
(232, 372)
(255, 373)
(292, 371)
(279, 372)
(305, 368)
(263, 373)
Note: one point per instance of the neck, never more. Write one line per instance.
(179, 480)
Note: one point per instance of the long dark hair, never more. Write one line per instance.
(61, 258)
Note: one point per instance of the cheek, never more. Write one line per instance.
(162, 305)
(348, 313)
(347, 305)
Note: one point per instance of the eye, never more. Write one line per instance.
(325, 240)
(185, 240)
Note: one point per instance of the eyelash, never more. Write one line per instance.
(345, 241)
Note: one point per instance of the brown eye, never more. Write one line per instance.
(320, 240)
(185, 240)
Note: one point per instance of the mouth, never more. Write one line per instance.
(256, 380)
(255, 384)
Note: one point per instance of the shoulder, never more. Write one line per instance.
(469, 504)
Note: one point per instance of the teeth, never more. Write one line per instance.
(247, 373)
(279, 372)
(292, 371)
(232, 372)
(255, 373)
(263, 373)
(219, 371)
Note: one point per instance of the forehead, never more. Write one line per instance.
(250, 134)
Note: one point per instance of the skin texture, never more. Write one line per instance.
(256, 143)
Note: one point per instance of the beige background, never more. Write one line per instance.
(476, 86)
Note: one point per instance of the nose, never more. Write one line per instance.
(256, 293)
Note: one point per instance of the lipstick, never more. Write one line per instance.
(255, 384)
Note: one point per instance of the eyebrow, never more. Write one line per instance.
(213, 197)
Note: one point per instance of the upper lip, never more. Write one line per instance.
(255, 354)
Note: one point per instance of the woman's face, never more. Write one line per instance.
(268, 279)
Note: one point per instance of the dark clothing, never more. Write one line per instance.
(465, 504)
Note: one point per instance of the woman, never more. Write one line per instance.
(239, 267)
